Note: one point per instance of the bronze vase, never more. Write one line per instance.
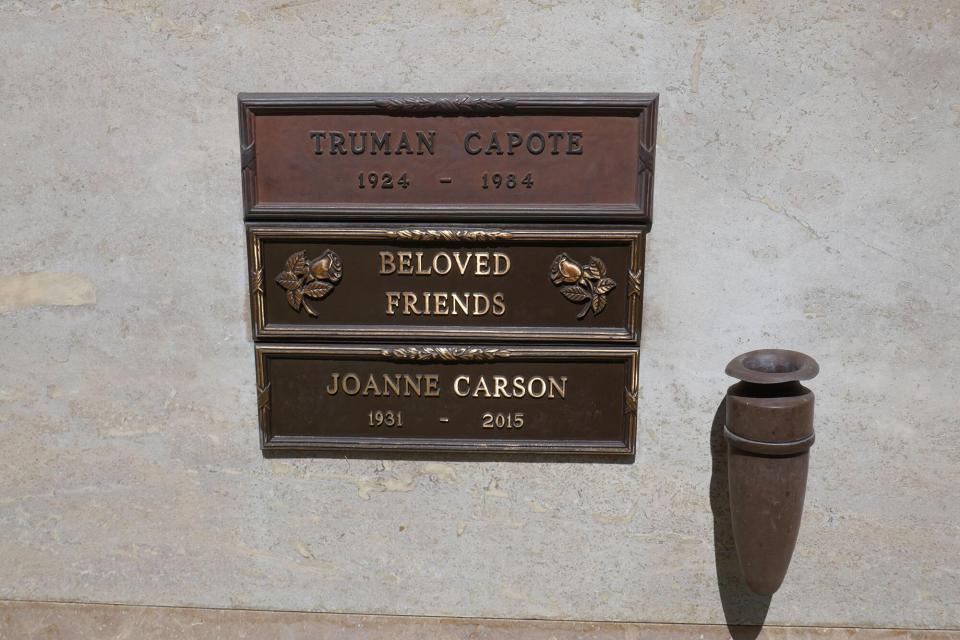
(769, 432)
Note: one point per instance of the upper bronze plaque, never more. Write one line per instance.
(577, 157)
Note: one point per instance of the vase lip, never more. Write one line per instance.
(773, 366)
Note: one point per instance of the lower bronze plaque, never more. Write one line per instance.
(562, 400)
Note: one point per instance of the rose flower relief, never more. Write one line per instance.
(587, 283)
(313, 279)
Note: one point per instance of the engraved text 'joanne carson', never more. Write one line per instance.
(430, 385)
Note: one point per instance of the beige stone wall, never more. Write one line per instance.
(807, 197)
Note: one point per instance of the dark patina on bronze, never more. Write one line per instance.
(479, 157)
(506, 282)
(447, 398)
(769, 432)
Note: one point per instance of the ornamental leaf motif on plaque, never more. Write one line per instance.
(309, 279)
(582, 283)
(451, 354)
(446, 104)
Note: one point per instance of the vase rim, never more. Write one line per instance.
(773, 366)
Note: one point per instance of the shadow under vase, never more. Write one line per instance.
(744, 611)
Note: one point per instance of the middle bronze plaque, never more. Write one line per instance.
(331, 282)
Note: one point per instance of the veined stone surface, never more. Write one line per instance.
(807, 197)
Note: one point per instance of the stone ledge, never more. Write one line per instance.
(56, 621)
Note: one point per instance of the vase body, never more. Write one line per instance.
(769, 432)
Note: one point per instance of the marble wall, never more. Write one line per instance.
(807, 196)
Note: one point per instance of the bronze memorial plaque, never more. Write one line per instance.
(340, 282)
(447, 398)
(541, 157)
(447, 273)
